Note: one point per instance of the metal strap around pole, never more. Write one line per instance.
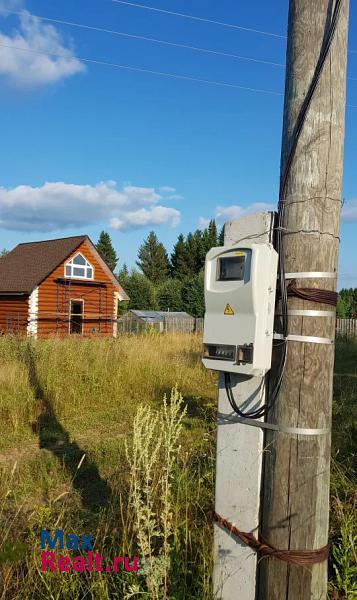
(280, 428)
(312, 275)
(303, 338)
(297, 312)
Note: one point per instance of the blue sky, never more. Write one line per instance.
(85, 147)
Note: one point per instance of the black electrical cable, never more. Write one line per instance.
(273, 393)
(253, 414)
(282, 193)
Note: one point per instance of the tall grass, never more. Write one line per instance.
(88, 443)
(343, 514)
(98, 448)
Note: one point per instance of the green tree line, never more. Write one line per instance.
(170, 282)
(175, 282)
(347, 303)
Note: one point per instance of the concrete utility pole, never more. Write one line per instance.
(239, 456)
(295, 510)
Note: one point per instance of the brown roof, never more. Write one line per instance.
(28, 264)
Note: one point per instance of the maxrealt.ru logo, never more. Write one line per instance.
(86, 561)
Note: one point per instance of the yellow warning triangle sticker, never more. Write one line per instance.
(228, 310)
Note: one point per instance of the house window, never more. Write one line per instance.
(79, 268)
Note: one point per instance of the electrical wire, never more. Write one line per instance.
(202, 19)
(205, 20)
(159, 41)
(300, 121)
(274, 389)
(153, 40)
(146, 38)
(253, 414)
(313, 294)
(149, 71)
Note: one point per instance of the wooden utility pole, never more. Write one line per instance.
(295, 508)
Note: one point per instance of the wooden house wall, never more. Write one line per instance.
(13, 314)
(54, 300)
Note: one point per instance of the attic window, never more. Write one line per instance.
(79, 268)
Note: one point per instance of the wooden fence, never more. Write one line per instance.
(346, 327)
(185, 325)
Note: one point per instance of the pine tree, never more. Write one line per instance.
(141, 292)
(123, 275)
(191, 246)
(168, 295)
(123, 278)
(209, 237)
(180, 263)
(153, 260)
(212, 234)
(106, 250)
(196, 251)
(193, 295)
(221, 237)
(205, 241)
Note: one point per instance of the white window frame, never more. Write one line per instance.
(70, 264)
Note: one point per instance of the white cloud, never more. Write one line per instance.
(202, 223)
(26, 68)
(6, 5)
(349, 210)
(59, 205)
(235, 211)
(169, 193)
(166, 189)
(228, 213)
(144, 217)
(174, 197)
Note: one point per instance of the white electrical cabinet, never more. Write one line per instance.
(240, 286)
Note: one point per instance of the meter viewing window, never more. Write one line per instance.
(231, 268)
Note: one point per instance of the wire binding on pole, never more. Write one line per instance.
(295, 557)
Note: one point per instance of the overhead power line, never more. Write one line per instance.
(194, 18)
(152, 72)
(147, 39)
(143, 70)
(205, 20)
(158, 40)
(153, 40)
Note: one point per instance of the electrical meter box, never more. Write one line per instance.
(240, 286)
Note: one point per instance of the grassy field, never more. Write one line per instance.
(343, 514)
(88, 445)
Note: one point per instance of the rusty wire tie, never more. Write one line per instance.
(266, 550)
